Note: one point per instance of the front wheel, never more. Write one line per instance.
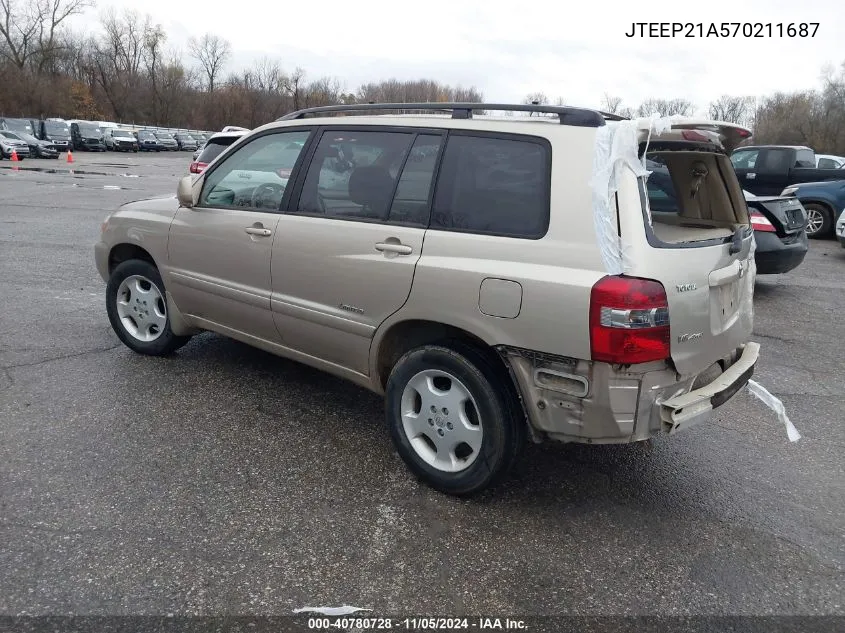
(137, 309)
(452, 418)
(819, 220)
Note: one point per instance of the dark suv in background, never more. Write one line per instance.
(186, 142)
(147, 141)
(87, 136)
(55, 131)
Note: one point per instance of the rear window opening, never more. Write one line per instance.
(692, 196)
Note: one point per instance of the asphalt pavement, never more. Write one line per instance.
(226, 480)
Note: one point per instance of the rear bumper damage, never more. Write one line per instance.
(579, 401)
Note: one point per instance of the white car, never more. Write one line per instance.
(840, 229)
(214, 146)
(828, 161)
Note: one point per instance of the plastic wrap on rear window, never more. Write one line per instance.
(616, 148)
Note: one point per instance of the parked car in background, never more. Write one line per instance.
(201, 140)
(214, 146)
(167, 142)
(828, 161)
(87, 136)
(56, 131)
(37, 147)
(10, 142)
(186, 142)
(823, 201)
(779, 224)
(452, 266)
(765, 170)
(17, 125)
(119, 140)
(147, 141)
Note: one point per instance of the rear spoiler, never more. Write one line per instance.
(677, 128)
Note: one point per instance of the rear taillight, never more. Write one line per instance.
(760, 222)
(195, 168)
(629, 321)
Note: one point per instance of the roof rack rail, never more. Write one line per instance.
(582, 117)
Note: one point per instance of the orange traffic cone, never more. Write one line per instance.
(69, 156)
(14, 156)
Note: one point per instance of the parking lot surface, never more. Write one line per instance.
(226, 480)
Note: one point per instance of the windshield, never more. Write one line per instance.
(56, 127)
(147, 135)
(11, 135)
(88, 128)
(19, 125)
(165, 136)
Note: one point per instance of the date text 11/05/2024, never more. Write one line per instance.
(723, 29)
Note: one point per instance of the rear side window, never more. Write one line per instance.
(493, 185)
(213, 149)
(827, 163)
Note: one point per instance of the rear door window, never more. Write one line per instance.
(805, 158)
(353, 175)
(745, 159)
(495, 185)
(776, 160)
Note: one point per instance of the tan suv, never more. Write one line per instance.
(496, 278)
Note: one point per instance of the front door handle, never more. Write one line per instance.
(258, 230)
(394, 247)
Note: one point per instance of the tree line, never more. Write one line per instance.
(127, 71)
(815, 118)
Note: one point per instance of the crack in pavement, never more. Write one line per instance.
(6, 368)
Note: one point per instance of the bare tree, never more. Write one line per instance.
(732, 109)
(611, 104)
(29, 30)
(212, 52)
(118, 57)
(665, 107)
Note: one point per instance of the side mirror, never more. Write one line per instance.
(185, 192)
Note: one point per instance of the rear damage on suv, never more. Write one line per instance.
(671, 320)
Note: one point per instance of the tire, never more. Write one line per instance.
(142, 316)
(819, 216)
(455, 372)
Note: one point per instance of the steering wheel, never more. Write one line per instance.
(266, 192)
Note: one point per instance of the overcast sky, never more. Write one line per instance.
(508, 49)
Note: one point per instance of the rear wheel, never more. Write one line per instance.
(819, 220)
(137, 309)
(452, 419)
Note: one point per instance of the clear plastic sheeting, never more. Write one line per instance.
(777, 406)
(616, 148)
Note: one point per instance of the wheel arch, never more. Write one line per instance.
(405, 335)
(126, 251)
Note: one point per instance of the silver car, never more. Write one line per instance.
(496, 279)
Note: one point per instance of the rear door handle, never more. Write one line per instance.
(257, 230)
(393, 247)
